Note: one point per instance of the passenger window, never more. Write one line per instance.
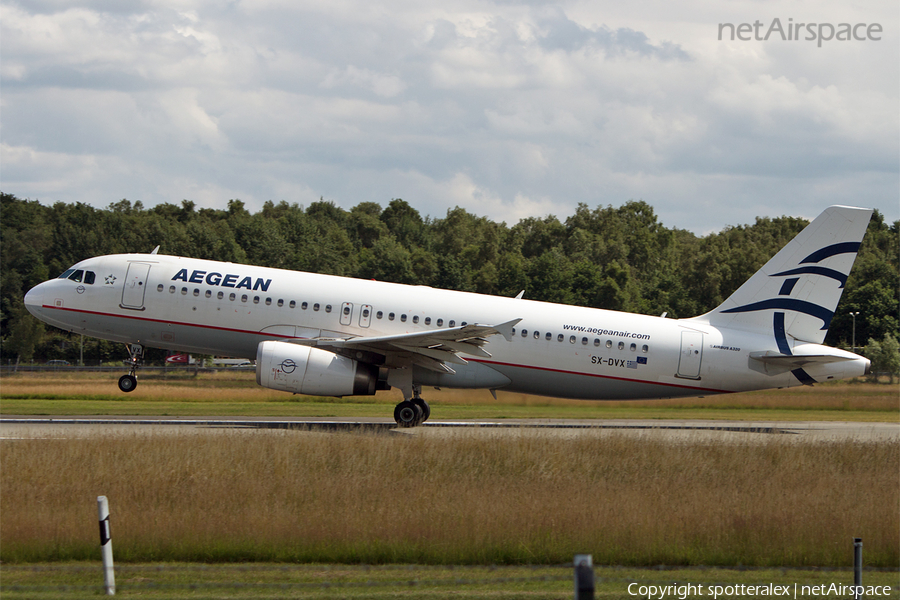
(293, 304)
(89, 277)
(346, 310)
(440, 323)
(255, 299)
(584, 341)
(572, 339)
(548, 336)
(463, 324)
(280, 303)
(452, 323)
(633, 347)
(268, 302)
(609, 343)
(537, 335)
(428, 320)
(231, 297)
(160, 287)
(328, 308)
(524, 333)
(645, 348)
(184, 291)
(365, 313)
(244, 298)
(304, 305)
(390, 316)
(560, 338)
(171, 289)
(220, 295)
(416, 319)
(621, 345)
(316, 306)
(379, 314)
(596, 341)
(403, 318)
(208, 293)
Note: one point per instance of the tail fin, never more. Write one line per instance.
(797, 291)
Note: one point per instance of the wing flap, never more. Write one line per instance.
(435, 353)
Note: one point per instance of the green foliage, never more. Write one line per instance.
(619, 258)
(885, 356)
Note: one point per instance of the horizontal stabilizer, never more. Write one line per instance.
(794, 361)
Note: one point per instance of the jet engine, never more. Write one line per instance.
(307, 370)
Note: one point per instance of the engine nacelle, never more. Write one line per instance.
(307, 370)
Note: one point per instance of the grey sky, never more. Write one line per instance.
(508, 109)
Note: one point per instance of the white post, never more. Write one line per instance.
(584, 577)
(109, 576)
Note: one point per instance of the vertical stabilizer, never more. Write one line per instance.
(796, 293)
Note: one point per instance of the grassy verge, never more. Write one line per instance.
(236, 394)
(164, 581)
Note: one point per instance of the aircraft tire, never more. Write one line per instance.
(408, 414)
(423, 406)
(127, 383)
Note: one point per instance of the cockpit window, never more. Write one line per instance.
(79, 275)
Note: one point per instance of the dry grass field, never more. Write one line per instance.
(464, 498)
(468, 498)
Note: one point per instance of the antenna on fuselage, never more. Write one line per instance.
(155, 250)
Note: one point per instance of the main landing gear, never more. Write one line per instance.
(127, 383)
(413, 411)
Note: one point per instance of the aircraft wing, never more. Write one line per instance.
(430, 349)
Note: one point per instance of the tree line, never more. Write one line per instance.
(619, 258)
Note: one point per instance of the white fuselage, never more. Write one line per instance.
(208, 307)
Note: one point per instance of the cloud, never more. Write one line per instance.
(508, 109)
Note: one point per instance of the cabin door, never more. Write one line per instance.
(135, 285)
(691, 354)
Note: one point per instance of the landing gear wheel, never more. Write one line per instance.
(423, 406)
(127, 383)
(408, 414)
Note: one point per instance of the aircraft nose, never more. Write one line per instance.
(34, 300)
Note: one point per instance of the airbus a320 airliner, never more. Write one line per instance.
(336, 336)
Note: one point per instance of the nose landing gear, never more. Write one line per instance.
(413, 411)
(128, 382)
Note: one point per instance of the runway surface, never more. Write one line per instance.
(30, 427)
